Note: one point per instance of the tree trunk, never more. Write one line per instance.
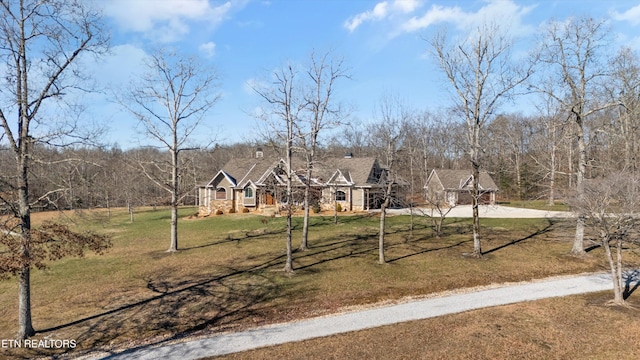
(616, 274)
(173, 246)
(619, 268)
(518, 175)
(335, 205)
(25, 326)
(288, 266)
(578, 242)
(477, 249)
(411, 193)
(383, 213)
(552, 176)
(475, 195)
(305, 223)
(174, 228)
(130, 208)
(439, 226)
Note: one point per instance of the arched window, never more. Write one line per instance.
(341, 195)
(248, 192)
(221, 193)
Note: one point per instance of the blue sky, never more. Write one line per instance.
(383, 43)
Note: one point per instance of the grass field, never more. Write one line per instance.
(228, 274)
(536, 204)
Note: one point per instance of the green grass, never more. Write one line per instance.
(228, 274)
(536, 204)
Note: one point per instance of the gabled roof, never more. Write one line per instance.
(223, 174)
(357, 171)
(353, 171)
(341, 177)
(246, 170)
(461, 179)
(280, 178)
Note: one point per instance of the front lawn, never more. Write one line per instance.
(228, 274)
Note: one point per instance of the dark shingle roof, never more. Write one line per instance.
(460, 179)
(357, 170)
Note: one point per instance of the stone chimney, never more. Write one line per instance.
(348, 155)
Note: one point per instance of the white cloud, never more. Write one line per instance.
(381, 11)
(406, 6)
(435, 15)
(503, 12)
(209, 49)
(405, 16)
(632, 15)
(166, 20)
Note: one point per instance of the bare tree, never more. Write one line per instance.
(548, 135)
(439, 206)
(322, 112)
(573, 53)
(170, 101)
(482, 76)
(283, 111)
(624, 89)
(387, 135)
(41, 43)
(510, 133)
(610, 206)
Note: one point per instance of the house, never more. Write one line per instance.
(259, 183)
(357, 184)
(454, 187)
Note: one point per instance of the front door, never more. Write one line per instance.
(269, 199)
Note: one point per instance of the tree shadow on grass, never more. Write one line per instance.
(179, 309)
(631, 283)
(428, 250)
(538, 232)
(251, 234)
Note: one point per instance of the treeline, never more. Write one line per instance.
(529, 157)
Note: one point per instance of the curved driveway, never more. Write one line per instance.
(489, 211)
(408, 310)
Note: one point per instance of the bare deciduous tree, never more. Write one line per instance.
(624, 89)
(281, 117)
(387, 136)
(41, 43)
(170, 101)
(322, 112)
(610, 205)
(482, 75)
(548, 135)
(573, 53)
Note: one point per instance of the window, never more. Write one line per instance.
(341, 196)
(248, 192)
(221, 194)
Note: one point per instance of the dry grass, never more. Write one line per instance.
(228, 275)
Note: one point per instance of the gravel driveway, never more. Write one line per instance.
(489, 211)
(374, 316)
